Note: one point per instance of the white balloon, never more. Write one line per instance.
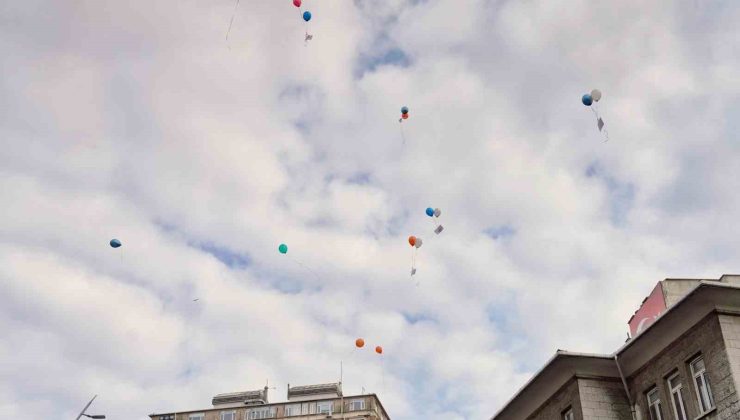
(596, 95)
(417, 243)
(437, 212)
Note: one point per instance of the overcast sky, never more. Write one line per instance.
(136, 120)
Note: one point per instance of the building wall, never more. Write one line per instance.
(705, 338)
(567, 396)
(675, 289)
(603, 399)
(730, 325)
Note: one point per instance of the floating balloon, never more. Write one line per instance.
(590, 99)
(596, 95)
(115, 243)
(283, 249)
(297, 3)
(360, 343)
(436, 213)
(306, 15)
(404, 116)
(378, 350)
(415, 243)
(587, 99)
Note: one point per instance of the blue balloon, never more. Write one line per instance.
(306, 15)
(430, 211)
(405, 110)
(587, 99)
(115, 243)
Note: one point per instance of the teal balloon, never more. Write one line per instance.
(430, 211)
(115, 243)
(283, 249)
(306, 15)
(404, 110)
(587, 99)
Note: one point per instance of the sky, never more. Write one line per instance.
(137, 120)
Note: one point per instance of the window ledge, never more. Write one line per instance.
(706, 414)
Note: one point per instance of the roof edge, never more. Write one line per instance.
(559, 354)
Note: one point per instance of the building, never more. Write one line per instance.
(324, 401)
(681, 363)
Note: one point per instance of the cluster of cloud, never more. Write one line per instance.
(136, 120)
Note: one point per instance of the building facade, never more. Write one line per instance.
(682, 363)
(311, 402)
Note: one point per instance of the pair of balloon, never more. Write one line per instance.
(306, 14)
(405, 112)
(592, 97)
(414, 241)
(433, 212)
(360, 343)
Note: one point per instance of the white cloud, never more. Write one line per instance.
(137, 120)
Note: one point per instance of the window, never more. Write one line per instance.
(228, 415)
(568, 414)
(261, 413)
(167, 417)
(294, 409)
(701, 384)
(676, 389)
(323, 407)
(357, 405)
(199, 416)
(656, 412)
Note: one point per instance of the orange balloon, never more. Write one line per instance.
(360, 343)
(412, 240)
(379, 350)
(405, 116)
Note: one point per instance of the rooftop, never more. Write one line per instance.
(707, 297)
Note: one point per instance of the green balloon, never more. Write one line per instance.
(283, 249)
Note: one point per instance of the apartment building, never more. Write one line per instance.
(681, 362)
(310, 402)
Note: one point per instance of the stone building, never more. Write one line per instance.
(682, 363)
(311, 402)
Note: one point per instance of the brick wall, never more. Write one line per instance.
(603, 399)
(730, 326)
(567, 396)
(704, 338)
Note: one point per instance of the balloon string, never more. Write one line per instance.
(232, 20)
(593, 109)
(403, 136)
(349, 355)
(382, 374)
(306, 268)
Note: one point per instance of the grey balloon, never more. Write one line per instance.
(596, 95)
